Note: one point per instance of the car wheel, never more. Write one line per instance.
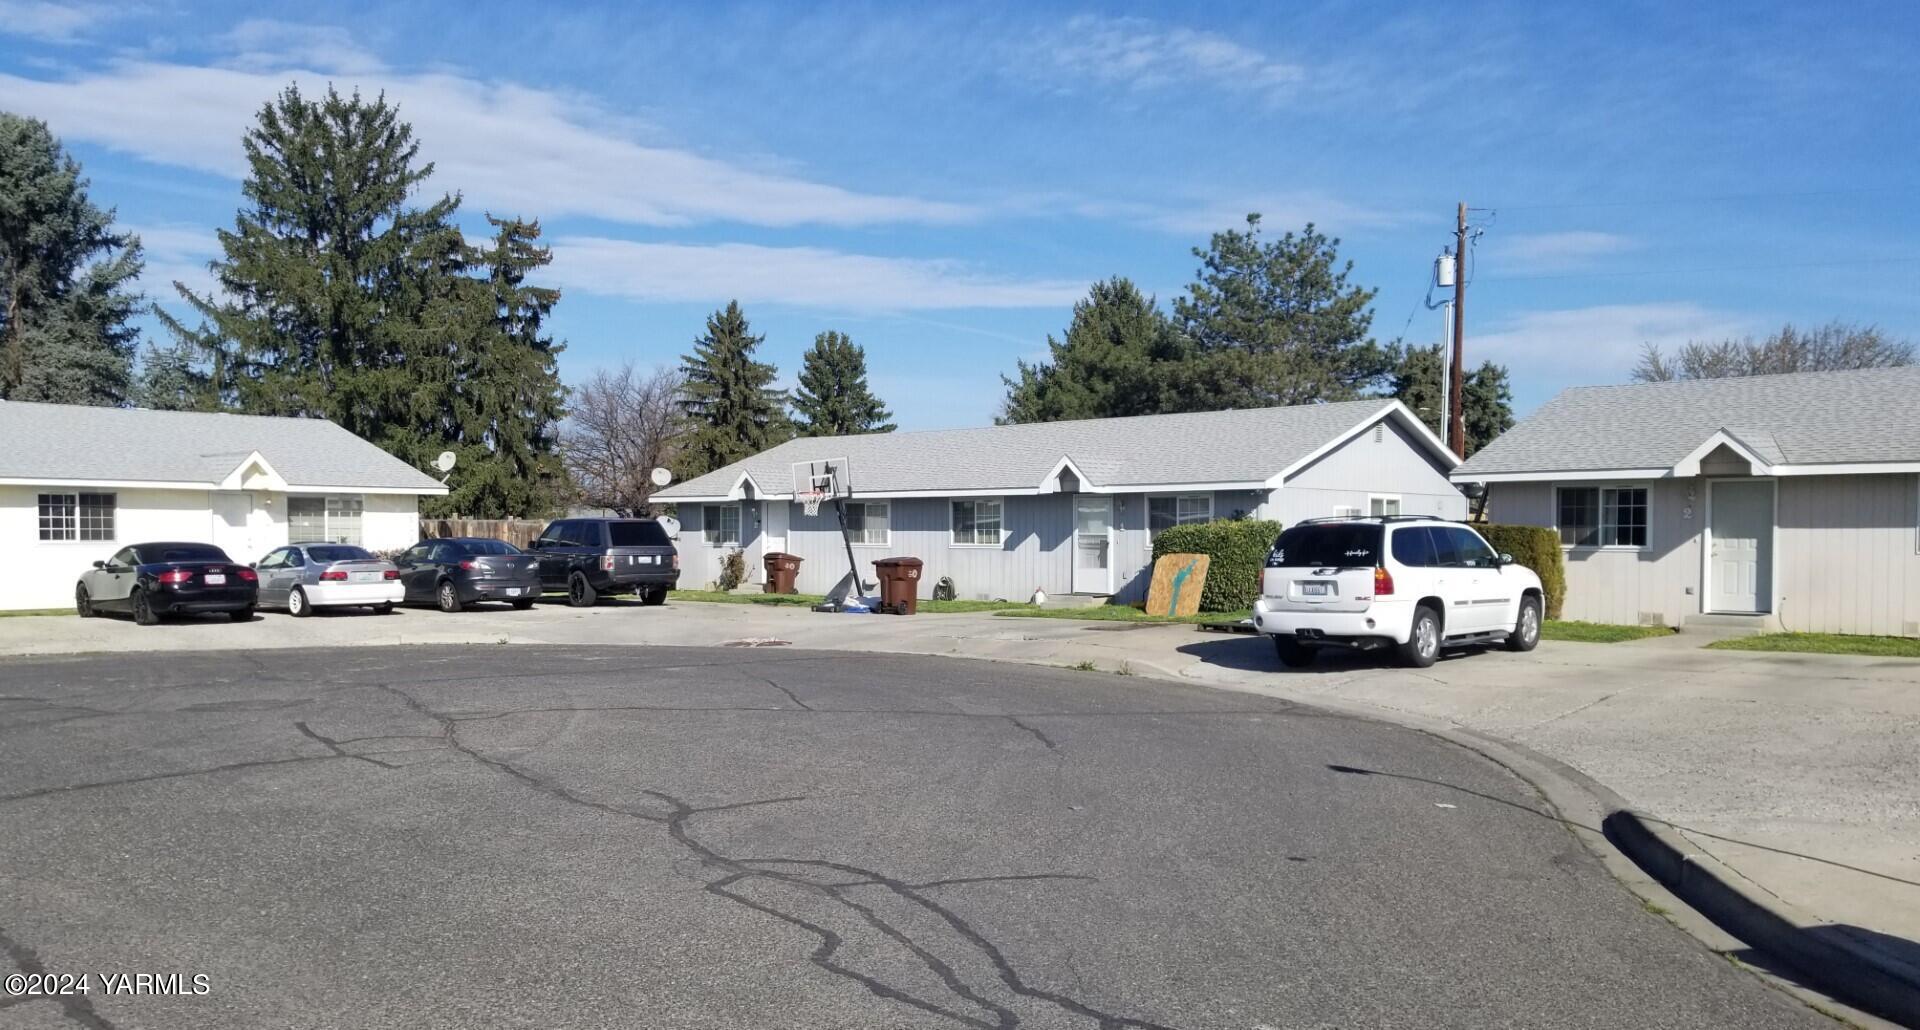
(656, 596)
(83, 601)
(523, 605)
(447, 596)
(143, 610)
(243, 615)
(383, 609)
(1422, 648)
(297, 605)
(581, 593)
(1293, 654)
(1526, 631)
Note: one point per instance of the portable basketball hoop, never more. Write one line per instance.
(814, 484)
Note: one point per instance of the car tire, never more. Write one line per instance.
(447, 596)
(1294, 654)
(143, 614)
(1526, 629)
(83, 602)
(656, 596)
(523, 605)
(297, 604)
(383, 609)
(1422, 648)
(243, 615)
(580, 593)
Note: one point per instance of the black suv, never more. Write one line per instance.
(591, 557)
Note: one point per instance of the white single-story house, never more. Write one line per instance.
(78, 483)
(1064, 507)
(1783, 501)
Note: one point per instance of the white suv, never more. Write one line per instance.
(1410, 582)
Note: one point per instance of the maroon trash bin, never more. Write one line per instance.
(782, 569)
(899, 585)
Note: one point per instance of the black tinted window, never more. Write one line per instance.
(1469, 549)
(339, 552)
(553, 532)
(1327, 545)
(487, 547)
(638, 534)
(155, 553)
(1413, 546)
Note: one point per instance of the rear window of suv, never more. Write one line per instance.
(1327, 545)
(638, 534)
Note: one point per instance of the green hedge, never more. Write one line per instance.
(1538, 549)
(1238, 552)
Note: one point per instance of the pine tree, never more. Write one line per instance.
(66, 296)
(170, 380)
(508, 401)
(1416, 382)
(341, 300)
(1112, 361)
(833, 398)
(729, 399)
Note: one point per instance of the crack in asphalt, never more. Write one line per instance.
(1037, 734)
(77, 1008)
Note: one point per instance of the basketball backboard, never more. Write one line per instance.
(822, 479)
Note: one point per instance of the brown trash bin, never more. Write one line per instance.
(899, 585)
(782, 569)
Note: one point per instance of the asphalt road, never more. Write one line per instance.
(534, 837)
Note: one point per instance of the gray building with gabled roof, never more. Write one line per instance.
(1784, 501)
(1064, 507)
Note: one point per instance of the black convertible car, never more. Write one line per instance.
(157, 580)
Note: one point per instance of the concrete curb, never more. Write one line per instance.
(1851, 971)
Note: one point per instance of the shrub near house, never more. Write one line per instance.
(1536, 548)
(1238, 552)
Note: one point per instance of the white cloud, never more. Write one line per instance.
(1139, 55)
(174, 253)
(1558, 250)
(806, 276)
(48, 21)
(264, 44)
(1600, 344)
(509, 148)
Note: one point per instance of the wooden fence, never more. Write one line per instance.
(518, 532)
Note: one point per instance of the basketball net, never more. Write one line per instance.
(810, 501)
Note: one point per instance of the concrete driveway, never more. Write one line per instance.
(483, 836)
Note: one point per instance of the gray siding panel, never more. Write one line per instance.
(1034, 554)
(1364, 466)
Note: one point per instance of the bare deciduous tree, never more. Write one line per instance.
(625, 423)
(1834, 346)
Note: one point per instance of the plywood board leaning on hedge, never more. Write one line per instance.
(1177, 582)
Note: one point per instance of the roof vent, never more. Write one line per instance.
(1379, 431)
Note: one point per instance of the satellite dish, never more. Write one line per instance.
(661, 477)
(445, 461)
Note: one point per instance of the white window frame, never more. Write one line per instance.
(1348, 511)
(886, 539)
(1399, 507)
(951, 521)
(327, 517)
(711, 525)
(1601, 491)
(1178, 519)
(72, 527)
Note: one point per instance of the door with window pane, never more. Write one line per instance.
(1092, 545)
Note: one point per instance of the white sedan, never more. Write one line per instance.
(303, 577)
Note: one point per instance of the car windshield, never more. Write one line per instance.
(155, 553)
(339, 552)
(638, 534)
(488, 547)
(1327, 545)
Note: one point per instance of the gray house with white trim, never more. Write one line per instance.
(1064, 507)
(1789, 501)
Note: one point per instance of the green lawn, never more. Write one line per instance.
(37, 611)
(1120, 613)
(1824, 643)
(1598, 632)
(809, 600)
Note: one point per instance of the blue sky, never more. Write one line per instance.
(943, 182)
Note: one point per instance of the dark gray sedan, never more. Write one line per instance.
(303, 577)
(453, 573)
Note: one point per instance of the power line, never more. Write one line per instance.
(1841, 263)
(1703, 198)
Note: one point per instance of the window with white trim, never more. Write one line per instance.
(1602, 516)
(977, 522)
(869, 522)
(1346, 511)
(721, 525)
(1168, 512)
(76, 516)
(1383, 504)
(334, 519)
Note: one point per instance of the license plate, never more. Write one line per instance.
(365, 577)
(215, 579)
(1316, 590)
(513, 591)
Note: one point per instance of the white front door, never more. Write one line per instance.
(233, 524)
(1092, 545)
(1740, 552)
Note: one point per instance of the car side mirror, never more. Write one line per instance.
(253, 565)
(99, 565)
(1504, 559)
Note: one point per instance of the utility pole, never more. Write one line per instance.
(1456, 382)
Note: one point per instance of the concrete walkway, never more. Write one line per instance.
(1801, 772)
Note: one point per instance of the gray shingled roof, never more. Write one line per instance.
(1803, 418)
(67, 441)
(1247, 446)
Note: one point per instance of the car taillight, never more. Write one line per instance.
(676, 559)
(335, 575)
(247, 574)
(606, 563)
(470, 565)
(175, 576)
(1382, 582)
(391, 574)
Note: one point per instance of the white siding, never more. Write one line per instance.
(43, 573)
(389, 521)
(1382, 461)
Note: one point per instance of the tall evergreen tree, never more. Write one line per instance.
(1274, 323)
(507, 401)
(1416, 382)
(1113, 361)
(833, 398)
(729, 400)
(340, 299)
(170, 380)
(66, 278)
